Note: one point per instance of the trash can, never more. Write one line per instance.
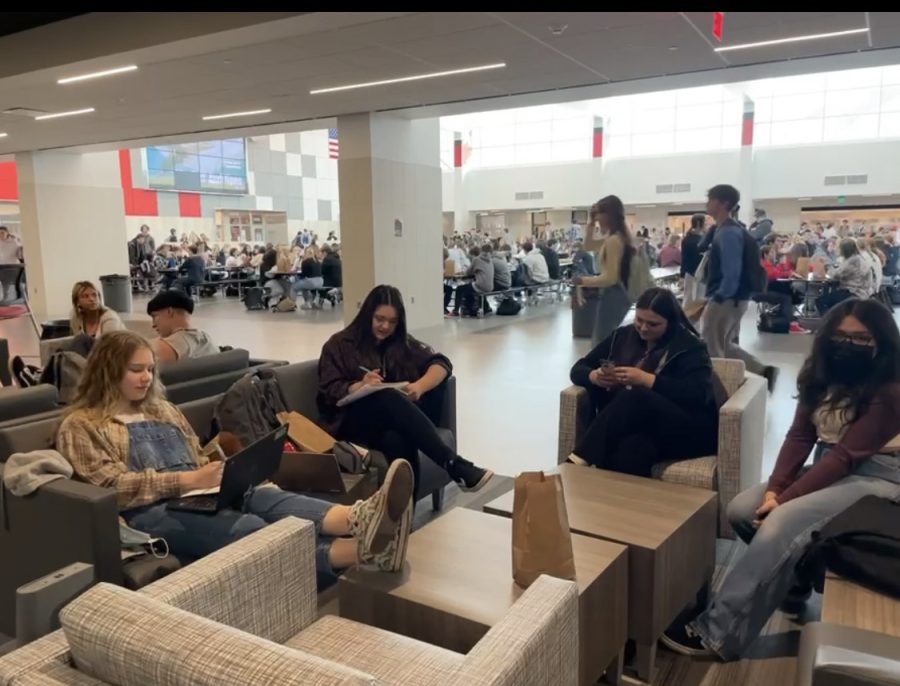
(116, 292)
(55, 328)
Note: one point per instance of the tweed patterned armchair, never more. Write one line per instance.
(247, 615)
(742, 427)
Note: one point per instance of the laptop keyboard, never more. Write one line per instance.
(204, 502)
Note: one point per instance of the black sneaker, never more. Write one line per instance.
(771, 375)
(25, 375)
(467, 475)
(794, 603)
(681, 639)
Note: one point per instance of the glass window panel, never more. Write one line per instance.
(890, 98)
(889, 125)
(698, 140)
(233, 148)
(890, 75)
(856, 101)
(763, 109)
(731, 137)
(534, 132)
(537, 113)
(699, 116)
(536, 153)
(160, 158)
(493, 136)
(211, 148)
(498, 157)
(617, 146)
(762, 134)
(572, 150)
(794, 132)
(475, 158)
(657, 100)
(210, 165)
(732, 112)
(657, 120)
(803, 83)
(698, 96)
(853, 78)
(851, 128)
(804, 106)
(572, 129)
(653, 143)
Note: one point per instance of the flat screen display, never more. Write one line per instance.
(203, 167)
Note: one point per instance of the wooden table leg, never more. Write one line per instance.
(645, 661)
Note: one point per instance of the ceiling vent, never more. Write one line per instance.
(665, 188)
(857, 179)
(530, 195)
(835, 180)
(24, 112)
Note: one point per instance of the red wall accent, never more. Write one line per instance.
(189, 204)
(457, 154)
(9, 181)
(598, 143)
(747, 129)
(138, 201)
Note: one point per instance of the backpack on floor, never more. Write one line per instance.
(249, 409)
(894, 292)
(64, 370)
(254, 298)
(772, 322)
(509, 307)
(861, 544)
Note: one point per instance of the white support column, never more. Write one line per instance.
(73, 224)
(745, 170)
(389, 172)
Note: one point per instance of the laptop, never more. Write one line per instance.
(317, 472)
(254, 464)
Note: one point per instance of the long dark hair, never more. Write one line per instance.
(612, 207)
(813, 382)
(393, 351)
(663, 302)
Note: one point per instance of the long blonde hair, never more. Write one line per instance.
(79, 288)
(98, 390)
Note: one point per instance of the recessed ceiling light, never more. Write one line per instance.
(403, 79)
(71, 113)
(673, 48)
(794, 39)
(98, 74)
(248, 113)
(3, 135)
(558, 29)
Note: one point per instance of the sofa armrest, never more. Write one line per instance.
(742, 430)
(62, 522)
(535, 643)
(833, 654)
(574, 419)
(448, 411)
(264, 584)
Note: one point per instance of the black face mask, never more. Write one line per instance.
(848, 362)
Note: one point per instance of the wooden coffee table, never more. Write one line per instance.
(670, 531)
(457, 583)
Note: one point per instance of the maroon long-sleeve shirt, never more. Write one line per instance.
(865, 437)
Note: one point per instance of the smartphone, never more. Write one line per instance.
(607, 366)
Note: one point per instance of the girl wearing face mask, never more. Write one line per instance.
(848, 415)
(376, 348)
(651, 384)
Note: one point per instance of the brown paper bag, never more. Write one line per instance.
(541, 541)
(306, 434)
(694, 310)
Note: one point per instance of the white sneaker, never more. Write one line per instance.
(574, 459)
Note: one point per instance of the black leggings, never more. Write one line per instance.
(634, 429)
(831, 298)
(388, 421)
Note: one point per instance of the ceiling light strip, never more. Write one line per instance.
(794, 39)
(405, 79)
(248, 113)
(97, 74)
(3, 135)
(71, 113)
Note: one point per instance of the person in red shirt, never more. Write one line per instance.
(776, 295)
(848, 416)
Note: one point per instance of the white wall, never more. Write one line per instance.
(72, 221)
(563, 185)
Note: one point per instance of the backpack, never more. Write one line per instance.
(64, 370)
(639, 277)
(753, 275)
(861, 544)
(509, 307)
(773, 322)
(249, 409)
(255, 298)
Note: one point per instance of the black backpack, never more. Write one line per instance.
(255, 298)
(249, 409)
(861, 544)
(753, 275)
(509, 307)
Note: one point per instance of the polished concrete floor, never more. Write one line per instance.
(510, 369)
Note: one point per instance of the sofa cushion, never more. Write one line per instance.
(21, 402)
(390, 657)
(171, 373)
(129, 639)
(699, 472)
(56, 674)
(24, 438)
(34, 656)
(299, 384)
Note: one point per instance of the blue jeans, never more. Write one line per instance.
(757, 584)
(194, 535)
(306, 286)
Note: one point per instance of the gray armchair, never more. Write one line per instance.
(299, 384)
(742, 427)
(834, 655)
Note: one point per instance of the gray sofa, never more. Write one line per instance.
(23, 404)
(834, 655)
(200, 377)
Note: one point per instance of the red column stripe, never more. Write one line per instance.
(9, 181)
(598, 143)
(457, 153)
(747, 129)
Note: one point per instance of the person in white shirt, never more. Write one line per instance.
(171, 314)
(535, 265)
(233, 259)
(460, 258)
(10, 253)
(873, 262)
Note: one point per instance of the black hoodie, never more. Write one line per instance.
(682, 365)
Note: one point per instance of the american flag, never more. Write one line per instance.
(333, 148)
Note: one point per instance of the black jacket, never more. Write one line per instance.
(552, 260)
(332, 271)
(684, 376)
(690, 253)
